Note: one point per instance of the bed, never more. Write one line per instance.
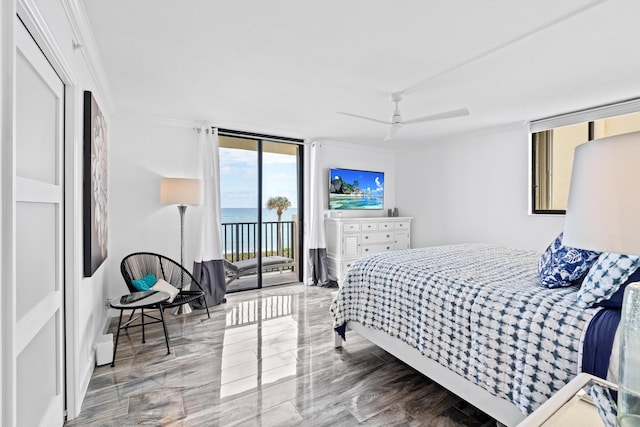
(475, 319)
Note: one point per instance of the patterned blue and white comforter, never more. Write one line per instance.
(476, 309)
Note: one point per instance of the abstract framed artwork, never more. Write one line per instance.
(94, 192)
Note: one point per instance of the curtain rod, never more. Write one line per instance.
(252, 135)
(586, 115)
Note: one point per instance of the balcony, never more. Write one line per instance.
(240, 242)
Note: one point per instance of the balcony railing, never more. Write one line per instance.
(240, 240)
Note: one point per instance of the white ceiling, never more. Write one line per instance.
(287, 67)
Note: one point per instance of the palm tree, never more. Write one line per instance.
(280, 203)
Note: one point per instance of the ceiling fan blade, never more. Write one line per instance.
(446, 115)
(392, 131)
(357, 116)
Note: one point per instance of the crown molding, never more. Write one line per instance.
(336, 142)
(475, 133)
(170, 121)
(83, 34)
(30, 15)
(504, 127)
(158, 120)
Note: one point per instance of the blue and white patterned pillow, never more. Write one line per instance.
(606, 277)
(561, 265)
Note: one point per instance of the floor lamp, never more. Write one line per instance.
(603, 214)
(181, 192)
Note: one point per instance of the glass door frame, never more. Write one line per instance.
(259, 139)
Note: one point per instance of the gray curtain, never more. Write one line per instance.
(317, 240)
(208, 267)
(210, 275)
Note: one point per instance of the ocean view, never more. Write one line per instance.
(231, 215)
(241, 238)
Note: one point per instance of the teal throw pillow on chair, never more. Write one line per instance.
(145, 283)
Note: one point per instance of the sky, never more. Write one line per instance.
(239, 178)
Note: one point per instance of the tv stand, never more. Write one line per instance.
(349, 239)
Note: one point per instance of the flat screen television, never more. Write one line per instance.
(351, 189)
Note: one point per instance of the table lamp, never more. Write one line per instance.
(603, 214)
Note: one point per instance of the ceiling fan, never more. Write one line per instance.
(396, 119)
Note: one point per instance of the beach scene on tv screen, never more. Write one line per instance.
(354, 189)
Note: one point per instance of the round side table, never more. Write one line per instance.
(153, 301)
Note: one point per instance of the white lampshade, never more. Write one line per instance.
(603, 212)
(180, 191)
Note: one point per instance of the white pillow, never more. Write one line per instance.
(164, 286)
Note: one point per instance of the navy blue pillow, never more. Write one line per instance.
(615, 301)
(562, 266)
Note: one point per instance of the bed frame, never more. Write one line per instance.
(500, 409)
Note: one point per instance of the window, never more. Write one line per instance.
(554, 141)
(260, 196)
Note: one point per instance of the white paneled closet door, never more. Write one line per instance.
(38, 286)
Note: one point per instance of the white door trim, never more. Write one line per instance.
(8, 214)
(35, 23)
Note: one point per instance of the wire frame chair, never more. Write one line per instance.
(137, 265)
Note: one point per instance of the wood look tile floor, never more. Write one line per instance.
(265, 358)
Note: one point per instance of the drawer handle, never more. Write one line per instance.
(366, 237)
(388, 235)
(366, 250)
(388, 247)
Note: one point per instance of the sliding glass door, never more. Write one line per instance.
(260, 182)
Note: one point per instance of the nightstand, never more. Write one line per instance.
(571, 406)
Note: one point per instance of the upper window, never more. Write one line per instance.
(553, 147)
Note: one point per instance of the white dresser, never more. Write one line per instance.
(351, 238)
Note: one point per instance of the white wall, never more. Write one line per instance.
(474, 189)
(142, 151)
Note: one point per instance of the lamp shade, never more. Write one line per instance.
(603, 211)
(180, 191)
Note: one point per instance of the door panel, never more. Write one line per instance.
(37, 364)
(241, 233)
(38, 286)
(38, 144)
(279, 187)
(36, 226)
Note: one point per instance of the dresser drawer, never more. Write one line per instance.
(377, 237)
(369, 226)
(383, 226)
(377, 248)
(351, 227)
(402, 225)
(350, 238)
